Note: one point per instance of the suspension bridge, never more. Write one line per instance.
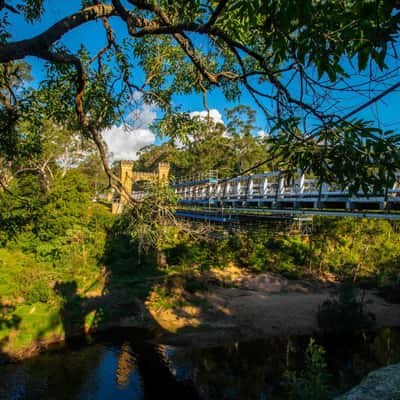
(275, 195)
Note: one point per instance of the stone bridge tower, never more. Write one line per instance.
(163, 171)
(129, 178)
(126, 179)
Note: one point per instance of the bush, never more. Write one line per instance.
(345, 312)
(39, 292)
(311, 383)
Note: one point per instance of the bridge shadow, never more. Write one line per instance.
(128, 282)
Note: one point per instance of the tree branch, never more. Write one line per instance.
(217, 12)
(34, 46)
(94, 132)
(176, 32)
(3, 4)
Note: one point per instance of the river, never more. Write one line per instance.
(124, 364)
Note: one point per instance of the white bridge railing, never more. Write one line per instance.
(274, 187)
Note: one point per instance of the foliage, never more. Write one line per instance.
(311, 383)
(356, 249)
(60, 234)
(293, 58)
(48, 238)
(365, 252)
(147, 221)
(209, 146)
(346, 313)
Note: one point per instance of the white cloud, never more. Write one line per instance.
(214, 114)
(126, 140)
(261, 133)
(142, 117)
(123, 142)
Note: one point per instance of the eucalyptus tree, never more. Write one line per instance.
(293, 58)
(227, 148)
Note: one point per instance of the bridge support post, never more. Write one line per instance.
(250, 188)
(301, 183)
(280, 188)
(349, 205)
(264, 188)
(227, 190)
(237, 190)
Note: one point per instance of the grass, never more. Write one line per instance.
(38, 321)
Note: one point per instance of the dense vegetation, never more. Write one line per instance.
(67, 265)
(53, 239)
(227, 149)
(63, 255)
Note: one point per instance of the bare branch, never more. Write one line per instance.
(3, 4)
(34, 46)
(217, 12)
(373, 100)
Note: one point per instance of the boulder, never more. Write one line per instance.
(381, 384)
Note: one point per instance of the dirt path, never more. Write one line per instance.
(257, 306)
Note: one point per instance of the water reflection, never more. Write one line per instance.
(126, 365)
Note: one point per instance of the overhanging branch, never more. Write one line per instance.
(34, 46)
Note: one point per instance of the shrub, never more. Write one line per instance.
(345, 312)
(311, 383)
(33, 285)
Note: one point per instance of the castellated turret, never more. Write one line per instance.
(163, 171)
(129, 178)
(126, 170)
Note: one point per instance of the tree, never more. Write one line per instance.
(211, 146)
(150, 156)
(293, 58)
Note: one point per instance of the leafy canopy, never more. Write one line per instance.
(297, 60)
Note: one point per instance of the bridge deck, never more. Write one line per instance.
(241, 214)
(282, 194)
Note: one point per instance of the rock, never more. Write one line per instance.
(382, 384)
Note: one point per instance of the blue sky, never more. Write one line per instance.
(387, 110)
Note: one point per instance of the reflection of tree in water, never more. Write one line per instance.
(52, 376)
(121, 369)
(239, 371)
(157, 377)
(130, 363)
(126, 364)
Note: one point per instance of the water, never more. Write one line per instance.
(125, 365)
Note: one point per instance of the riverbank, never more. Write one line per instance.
(218, 307)
(258, 305)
